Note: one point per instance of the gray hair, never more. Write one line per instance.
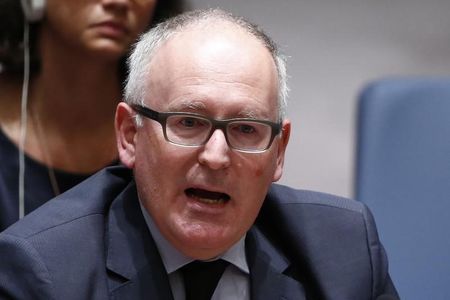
(146, 48)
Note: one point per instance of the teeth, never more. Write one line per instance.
(207, 196)
(210, 201)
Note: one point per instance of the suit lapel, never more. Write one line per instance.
(267, 264)
(136, 268)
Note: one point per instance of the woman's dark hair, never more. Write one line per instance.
(12, 25)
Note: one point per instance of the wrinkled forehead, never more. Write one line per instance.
(214, 41)
(211, 53)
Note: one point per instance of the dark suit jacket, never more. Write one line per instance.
(93, 243)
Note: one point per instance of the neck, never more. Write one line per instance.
(72, 100)
(76, 108)
(61, 99)
(75, 83)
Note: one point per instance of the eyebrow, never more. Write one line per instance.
(200, 107)
(188, 105)
(250, 114)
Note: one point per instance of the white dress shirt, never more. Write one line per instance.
(234, 283)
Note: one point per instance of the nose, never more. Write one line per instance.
(215, 153)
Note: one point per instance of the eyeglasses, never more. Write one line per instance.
(193, 130)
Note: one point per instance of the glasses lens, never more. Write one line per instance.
(187, 130)
(249, 135)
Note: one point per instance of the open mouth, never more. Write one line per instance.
(207, 196)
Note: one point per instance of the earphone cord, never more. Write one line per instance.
(23, 118)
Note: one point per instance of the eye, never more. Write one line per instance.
(188, 122)
(245, 128)
(192, 122)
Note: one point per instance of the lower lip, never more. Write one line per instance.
(206, 208)
(111, 30)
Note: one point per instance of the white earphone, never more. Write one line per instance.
(33, 9)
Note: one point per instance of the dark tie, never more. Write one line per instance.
(201, 278)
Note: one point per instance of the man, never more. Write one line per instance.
(203, 130)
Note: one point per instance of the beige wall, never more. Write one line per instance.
(334, 48)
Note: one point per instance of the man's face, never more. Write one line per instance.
(220, 75)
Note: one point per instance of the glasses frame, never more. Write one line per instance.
(161, 118)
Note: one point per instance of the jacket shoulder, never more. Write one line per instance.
(331, 238)
(281, 195)
(46, 246)
(91, 197)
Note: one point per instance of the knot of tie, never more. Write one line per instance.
(201, 278)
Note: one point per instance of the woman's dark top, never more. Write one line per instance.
(38, 189)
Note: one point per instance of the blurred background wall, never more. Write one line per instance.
(334, 48)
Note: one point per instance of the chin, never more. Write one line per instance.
(109, 51)
(205, 243)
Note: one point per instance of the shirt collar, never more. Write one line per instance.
(174, 259)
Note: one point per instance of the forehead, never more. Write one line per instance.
(218, 63)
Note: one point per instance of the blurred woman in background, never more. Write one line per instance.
(66, 131)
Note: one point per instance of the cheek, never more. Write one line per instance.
(263, 166)
(259, 172)
(143, 15)
(170, 162)
(148, 147)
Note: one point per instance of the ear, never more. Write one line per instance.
(282, 145)
(125, 134)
